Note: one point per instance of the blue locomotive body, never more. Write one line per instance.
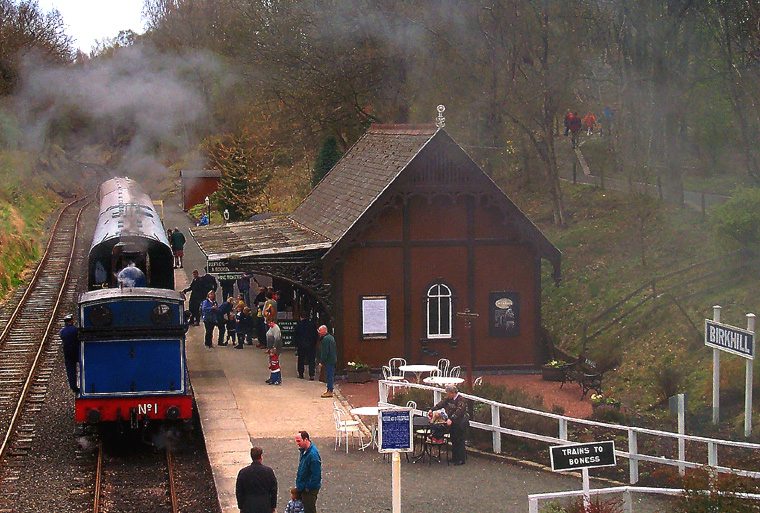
(132, 338)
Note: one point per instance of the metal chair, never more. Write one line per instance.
(345, 427)
(411, 404)
(478, 382)
(389, 376)
(455, 371)
(443, 365)
(394, 364)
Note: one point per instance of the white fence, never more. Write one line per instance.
(632, 454)
(627, 491)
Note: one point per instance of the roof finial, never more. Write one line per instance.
(440, 121)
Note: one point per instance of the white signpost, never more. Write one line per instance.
(722, 337)
(395, 437)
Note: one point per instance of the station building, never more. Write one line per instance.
(406, 248)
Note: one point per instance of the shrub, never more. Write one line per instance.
(552, 507)
(739, 217)
(703, 496)
(669, 380)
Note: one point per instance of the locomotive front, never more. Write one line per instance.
(132, 327)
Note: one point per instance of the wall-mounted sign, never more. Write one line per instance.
(374, 321)
(575, 456)
(395, 430)
(503, 314)
(730, 339)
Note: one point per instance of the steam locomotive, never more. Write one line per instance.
(132, 325)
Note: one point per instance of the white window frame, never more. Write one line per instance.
(443, 292)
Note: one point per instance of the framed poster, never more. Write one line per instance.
(503, 314)
(374, 322)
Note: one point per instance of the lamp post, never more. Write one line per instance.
(226, 215)
(208, 208)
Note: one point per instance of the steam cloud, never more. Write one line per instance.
(138, 99)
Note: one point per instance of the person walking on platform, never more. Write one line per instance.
(177, 242)
(210, 316)
(328, 358)
(244, 287)
(309, 475)
(198, 292)
(256, 486)
(305, 337)
(70, 342)
(274, 338)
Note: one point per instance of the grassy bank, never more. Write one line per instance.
(24, 208)
(613, 244)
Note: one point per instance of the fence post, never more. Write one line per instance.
(532, 505)
(383, 392)
(681, 431)
(633, 461)
(627, 501)
(437, 396)
(563, 429)
(712, 454)
(496, 422)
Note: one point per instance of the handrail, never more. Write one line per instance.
(533, 498)
(563, 420)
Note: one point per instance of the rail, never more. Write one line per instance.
(627, 491)
(5, 444)
(563, 422)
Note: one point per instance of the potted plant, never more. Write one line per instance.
(554, 370)
(605, 402)
(358, 372)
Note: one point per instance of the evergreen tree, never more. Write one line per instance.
(246, 170)
(328, 156)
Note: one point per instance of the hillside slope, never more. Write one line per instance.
(614, 244)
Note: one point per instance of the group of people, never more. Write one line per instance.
(256, 485)
(575, 123)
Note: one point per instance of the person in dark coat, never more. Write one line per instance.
(209, 282)
(244, 288)
(177, 241)
(228, 288)
(458, 420)
(305, 338)
(256, 486)
(70, 342)
(198, 293)
(223, 313)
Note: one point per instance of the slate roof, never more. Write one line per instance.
(359, 178)
(275, 235)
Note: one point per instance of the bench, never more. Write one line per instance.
(584, 372)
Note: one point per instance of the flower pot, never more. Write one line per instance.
(552, 373)
(362, 376)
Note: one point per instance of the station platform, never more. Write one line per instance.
(238, 409)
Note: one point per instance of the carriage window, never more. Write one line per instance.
(439, 311)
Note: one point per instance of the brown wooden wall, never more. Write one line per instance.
(195, 190)
(438, 248)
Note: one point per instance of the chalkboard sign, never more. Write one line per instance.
(503, 314)
(395, 430)
(287, 328)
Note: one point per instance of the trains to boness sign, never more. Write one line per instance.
(575, 456)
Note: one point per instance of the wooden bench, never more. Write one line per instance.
(584, 372)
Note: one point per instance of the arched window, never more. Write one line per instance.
(439, 311)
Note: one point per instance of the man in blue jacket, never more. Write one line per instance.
(309, 476)
(70, 342)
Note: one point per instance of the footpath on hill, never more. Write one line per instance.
(238, 408)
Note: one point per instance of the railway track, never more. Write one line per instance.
(23, 338)
(136, 480)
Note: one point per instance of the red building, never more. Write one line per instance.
(197, 184)
(398, 247)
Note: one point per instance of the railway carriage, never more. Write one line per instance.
(132, 325)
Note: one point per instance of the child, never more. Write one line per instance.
(275, 375)
(294, 504)
(438, 420)
(231, 328)
(244, 327)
